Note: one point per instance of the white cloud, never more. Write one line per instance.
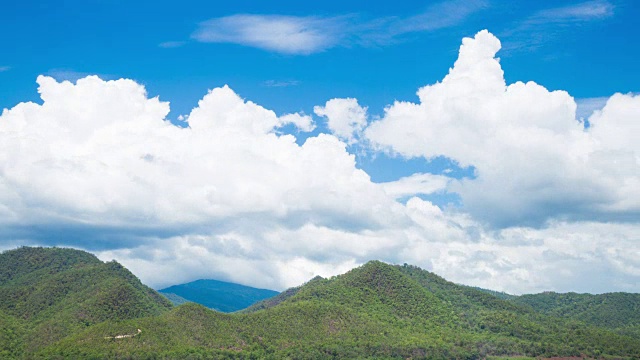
(533, 160)
(102, 152)
(345, 118)
(301, 121)
(98, 166)
(5, 68)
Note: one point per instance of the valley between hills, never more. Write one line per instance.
(60, 303)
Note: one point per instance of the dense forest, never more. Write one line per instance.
(62, 303)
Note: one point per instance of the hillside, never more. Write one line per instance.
(47, 294)
(273, 301)
(217, 295)
(377, 310)
(616, 311)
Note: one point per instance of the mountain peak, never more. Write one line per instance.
(24, 260)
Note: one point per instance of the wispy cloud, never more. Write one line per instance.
(586, 11)
(171, 44)
(439, 16)
(282, 83)
(5, 68)
(303, 35)
(283, 34)
(546, 25)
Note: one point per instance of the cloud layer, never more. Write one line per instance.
(553, 205)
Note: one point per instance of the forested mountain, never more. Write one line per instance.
(217, 295)
(49, 293)
(376, 310)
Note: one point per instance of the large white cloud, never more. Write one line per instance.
(102, 152)
(534, 161)
(98, 166)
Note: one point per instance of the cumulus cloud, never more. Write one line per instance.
(345, 118)
(98, 166)
(534, 161)
(101, 151)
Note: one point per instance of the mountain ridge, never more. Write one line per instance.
(376, 310)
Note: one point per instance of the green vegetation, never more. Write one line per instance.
(615, 311)
(374, 311)
(47, 294)
(217, 295)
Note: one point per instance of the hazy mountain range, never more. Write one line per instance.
(216, 295)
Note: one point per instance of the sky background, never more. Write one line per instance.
(269, 142)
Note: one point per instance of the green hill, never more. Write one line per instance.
(217, 295)
(47, 294)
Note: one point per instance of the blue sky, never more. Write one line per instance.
(503, 165)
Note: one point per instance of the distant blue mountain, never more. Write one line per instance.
(218, 295)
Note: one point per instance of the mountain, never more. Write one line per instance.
(374, 311)
(47, 294)
(62, 303)
(218, 295)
